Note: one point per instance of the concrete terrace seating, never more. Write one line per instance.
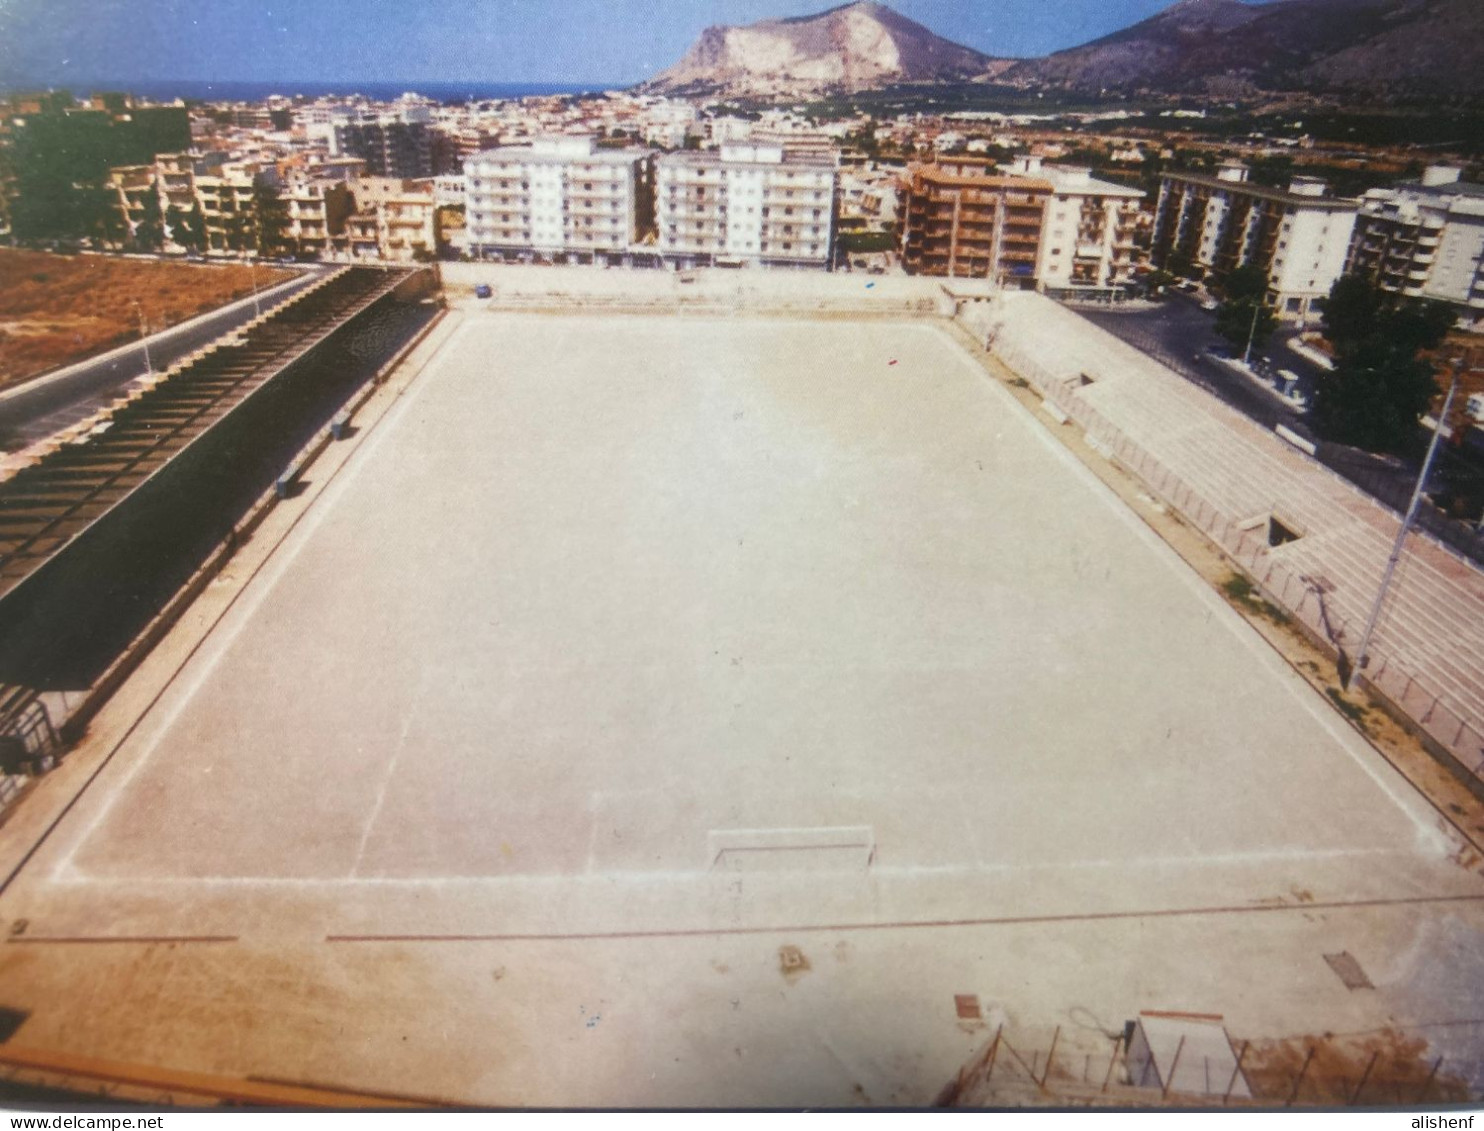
(44, 506)
(1227, 475)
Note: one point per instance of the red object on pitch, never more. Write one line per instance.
(893, 361)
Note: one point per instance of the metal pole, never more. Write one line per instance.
(1364, 1076)
(1174, 1064)
(1054, 1038)
(256, 309)
(144, 338)
(1251, 334)
(1299, 1079)
(1236, 1073)
(1401, 535)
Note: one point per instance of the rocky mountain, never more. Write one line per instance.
(855, 47)
(1395, 46)
(1225, 47)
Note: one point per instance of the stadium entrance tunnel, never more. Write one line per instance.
(63, 626)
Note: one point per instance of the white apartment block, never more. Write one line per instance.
(745, 205)
(1087, 240)
(562, 197)
(1300, 237)
(1425, 240)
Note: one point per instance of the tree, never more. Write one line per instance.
(188, 229)
(270, 220)
(1245, 318)
(98, 216)
(1243, 321)
(1248, 282)
(1351, 309)
(239, 231)
(149, 230)
(1382, 383)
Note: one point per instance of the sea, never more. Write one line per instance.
(167, 90)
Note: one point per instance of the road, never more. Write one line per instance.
(1179, 333)
(46, 405)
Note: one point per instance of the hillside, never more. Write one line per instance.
(858, 46)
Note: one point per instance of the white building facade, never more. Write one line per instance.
(561, 197)
(1425, 240)
(745, 205)
(1299, 237)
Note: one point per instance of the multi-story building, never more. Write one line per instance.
(316, 208)
(1299, 237)
(964, 220)
(560, 197)
(393, 144)
(1425, 240)
(394, 219)
(226, 192)
(132, 184)
(1087, 244)
(745, 205)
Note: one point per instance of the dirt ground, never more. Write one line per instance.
(443, 788)
(58, 309)
(1397, 743)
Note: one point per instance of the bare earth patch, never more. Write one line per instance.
(58, 309)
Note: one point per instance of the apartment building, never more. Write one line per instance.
(1299, 236)
(397, 143)
(225, 191)
(222, 189)
(967, 220)
(394, 219)
(745, 205)
(1425, 240)
(316, 206)
(1087, 246)
(561, 197)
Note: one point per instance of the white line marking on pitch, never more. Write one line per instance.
(1385, 776)
(391, 771)
(182, 688)
(906, 871)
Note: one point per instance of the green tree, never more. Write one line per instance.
(1247, 282)
(99, 217)
(188, 229)
(1244, 317)
(1351, 309)
(1382, 383)
(149, 229)
(1245, 320)
(238, 232)
(270, 220)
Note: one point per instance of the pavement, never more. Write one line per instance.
(47, 404)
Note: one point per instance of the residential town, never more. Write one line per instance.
(868, 566)
(626, 179)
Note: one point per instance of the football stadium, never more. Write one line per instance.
(676, 694)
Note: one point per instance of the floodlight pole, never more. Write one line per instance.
(1361, 659)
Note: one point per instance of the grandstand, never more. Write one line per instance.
(1316, 544)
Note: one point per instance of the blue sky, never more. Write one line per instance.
(559, 41)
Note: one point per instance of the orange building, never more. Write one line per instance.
(968, 222)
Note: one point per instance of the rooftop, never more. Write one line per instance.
(1266, 192)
